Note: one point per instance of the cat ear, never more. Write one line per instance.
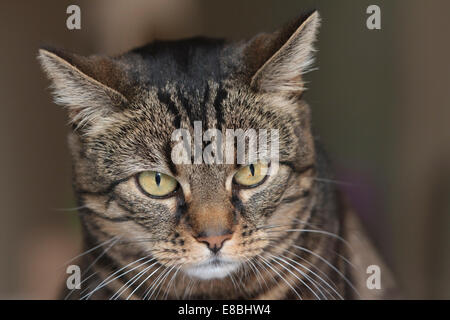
(87, 86)
(287, 54)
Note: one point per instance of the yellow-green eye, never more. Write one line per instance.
(252, 174)
(157, 184)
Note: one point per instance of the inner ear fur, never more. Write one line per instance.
(89, 87)
(277, 61)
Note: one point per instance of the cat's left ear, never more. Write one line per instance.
(284, 56)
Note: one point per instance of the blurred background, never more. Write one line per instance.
(380, 101)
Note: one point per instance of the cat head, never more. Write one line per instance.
(208, 219)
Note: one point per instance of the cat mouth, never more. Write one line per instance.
(213, 268)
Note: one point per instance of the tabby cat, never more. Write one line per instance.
(154, 229)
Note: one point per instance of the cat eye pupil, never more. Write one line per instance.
(252, 175)
(156, 184)
(252, 169)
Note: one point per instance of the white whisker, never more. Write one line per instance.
(158, 281)
(90, 250)
(264, 260)
(105, 282)
(330, 265)
(100, 256)
(297, 277)
(344, 183)
(315, 274)
(333, 235)
(130, 282)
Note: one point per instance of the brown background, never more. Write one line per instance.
(380, 103)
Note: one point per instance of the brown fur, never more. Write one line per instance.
(285, 233)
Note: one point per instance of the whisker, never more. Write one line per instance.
(161, 283)
(264, 260)
(194, 282)
(344, 183)
(169, 286)
(113, 240)
(157, 282)
(312, 266)
(333, 252)
(330, 265)
(258, 263)
(154, 282)
(148, 277)
(304, 274)
(312, 224)
(90, 250)
(131, 282)
(83, 281)
(282, 225)
(333, 235)
(315, 274)
(138, 240)
(186, 289)
(105, 282)
(255, 272)
(346, 260)
(298, 278)
(100, 256)
(232, 280)
(69, 209)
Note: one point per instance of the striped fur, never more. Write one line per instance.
(286, 241)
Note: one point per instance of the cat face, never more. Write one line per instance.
(204, 220)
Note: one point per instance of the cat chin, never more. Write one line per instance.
(209, 270)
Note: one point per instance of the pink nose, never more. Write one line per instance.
(215, 243)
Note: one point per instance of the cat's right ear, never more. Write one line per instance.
(87, 86)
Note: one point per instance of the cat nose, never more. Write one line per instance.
(215, 242)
